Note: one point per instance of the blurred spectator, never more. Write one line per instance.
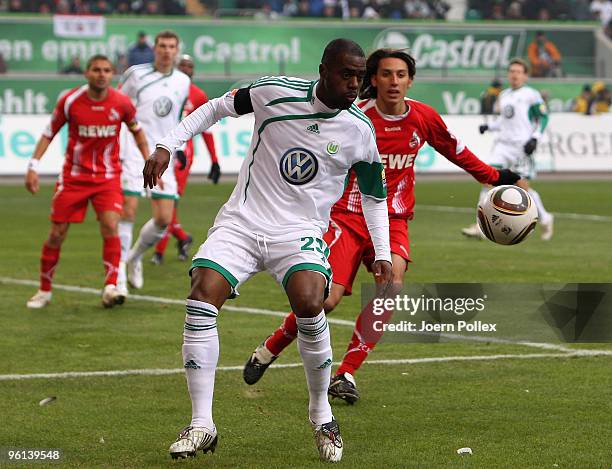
(101, 7)
(141, 52)
(74, 67)
(582, 102)
(122, 64)
(417, 9)
(497, 12)
(608, 29)
(515, 11)
(544, 57)
(3, 67)
(602, 10)
(371, 10)
(489, 97)
(601, 98)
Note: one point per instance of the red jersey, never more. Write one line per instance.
(92, 153)
(197, 97)
(399, 141)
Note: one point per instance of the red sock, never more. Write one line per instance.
(48, 262)
(365, 337)
(282, 336)
(176, 229)
(160, 247)
(111, 253)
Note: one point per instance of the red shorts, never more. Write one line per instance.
(183, 174)
(350, 245)
(69, 204)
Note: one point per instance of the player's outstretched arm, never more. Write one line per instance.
(31, 179)
(232, 104)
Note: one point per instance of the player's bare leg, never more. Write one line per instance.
(111, 254)
(305, 290)
(546, 218)
(364, 340)
(150, 233)
(209, 290)
(48, 262)
(126, 228)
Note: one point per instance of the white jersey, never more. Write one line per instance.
(298, 161)
(159, 100)
(523, 115)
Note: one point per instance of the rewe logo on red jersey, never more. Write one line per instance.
(97, 131)
(397, 161)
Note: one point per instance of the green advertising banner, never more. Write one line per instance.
(236, 48)
(38, 96)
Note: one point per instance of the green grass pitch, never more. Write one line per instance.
(533, 412)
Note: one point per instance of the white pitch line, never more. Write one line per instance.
(560, 215)
(281, 314)
(399, 361)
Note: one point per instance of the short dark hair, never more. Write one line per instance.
(340, 46)
(166, 34)
(521, 62)
(367, 90)
(95, 58)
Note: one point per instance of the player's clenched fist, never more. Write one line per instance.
(155, 167)
(382, 271)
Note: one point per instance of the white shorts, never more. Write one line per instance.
(132, 181)
(238, 254)
(512, 156)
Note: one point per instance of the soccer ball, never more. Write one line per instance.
(507, 215)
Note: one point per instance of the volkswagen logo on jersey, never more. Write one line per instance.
(509, 112)
(298, 166)
(162, 106)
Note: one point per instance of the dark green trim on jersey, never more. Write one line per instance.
(318, 115)
(141, 89)
(208, 264)
(295, 99)
(358, 113)
(129, 72)
(133, 193)
(370, 178)
(538, 112)
(306, 266)
(281, 81)
(156, 196)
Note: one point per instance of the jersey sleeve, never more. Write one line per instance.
(58, 118)
(128, 82)
(449, 146)
(370, 171)
(538, 113)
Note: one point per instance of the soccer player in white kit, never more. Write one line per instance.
(159, 92)
(307, 136)
(522, 119)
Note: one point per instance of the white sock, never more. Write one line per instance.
(125, 236)
(543, 214)
(200, 356)
(148, 237)
(314, 345)
(483, 192)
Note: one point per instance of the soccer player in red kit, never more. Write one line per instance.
(197, 97)
(94, 113)
(402, 127)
